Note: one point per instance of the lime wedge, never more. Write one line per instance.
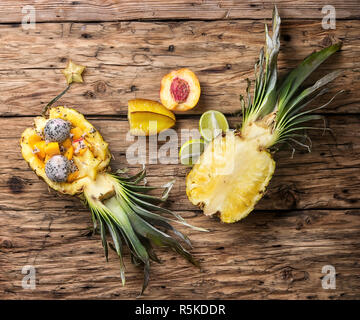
(212, 123)
(190, 151)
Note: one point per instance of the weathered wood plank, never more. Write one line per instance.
(326, 178)
(270, 255)
(309, 216)
(111, 10)
(127, 60)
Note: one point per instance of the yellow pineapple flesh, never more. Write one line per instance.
(230, 177)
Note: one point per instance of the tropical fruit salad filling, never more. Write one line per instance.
(64, 148)
(57, 145)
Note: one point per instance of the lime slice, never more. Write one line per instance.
(212, 123)
(190, 151)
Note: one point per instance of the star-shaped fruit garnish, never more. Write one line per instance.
(73, 72)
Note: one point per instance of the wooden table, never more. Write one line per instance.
(309, 217)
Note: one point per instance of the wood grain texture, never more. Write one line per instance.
(127, 60)
(269, 255)
(272, 254)
(309, 216)
(117, 10)
(331, 179)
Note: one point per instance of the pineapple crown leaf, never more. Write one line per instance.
(282, 104)
(295, 117)
(302, 72)
(287, 107)
(129, 218)
(266, 75)
(293, 105)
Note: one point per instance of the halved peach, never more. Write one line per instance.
(180, 90)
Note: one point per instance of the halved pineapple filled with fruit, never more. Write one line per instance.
(180, 90)
(65, 150)
(71, 156)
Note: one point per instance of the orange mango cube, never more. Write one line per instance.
(40, 147)
(69, 153)
(67, 143)
(72, 176)
(34, 139)
(52, 149)
(77, 133)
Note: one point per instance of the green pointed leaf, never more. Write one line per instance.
(103, 239)
(150, 249)
(154, 207)
(146, 277)
(298, 75)
(103, 235)
(301, 117)
(138, 188)
(118, 247)
(300, 107)
(48, 106)
(318, 84)
(168, 186)
(293, 105)
(265, 84)
(158, 237)
(93, 218)
(133, 179)
(117, 212)
(168, 226)
(145, 197)
(154, 218)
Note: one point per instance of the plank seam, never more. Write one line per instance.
(354, 18)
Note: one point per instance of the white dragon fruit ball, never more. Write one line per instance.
(57, 130)
(57, 168)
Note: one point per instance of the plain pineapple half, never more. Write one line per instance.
(120, 204)
(232, 174)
